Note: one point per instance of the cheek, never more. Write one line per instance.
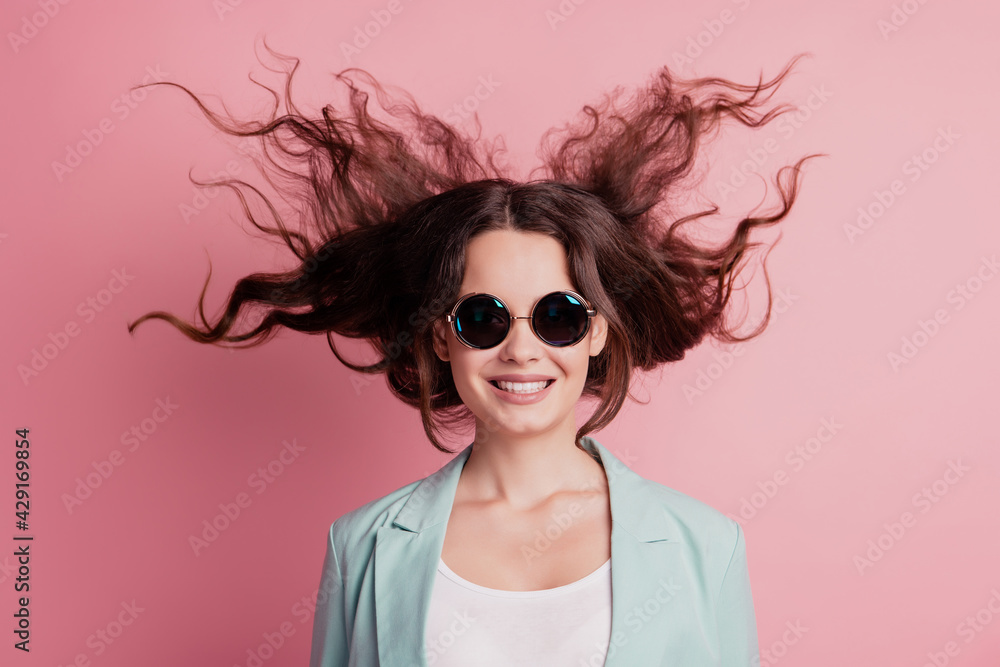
(464, 366)
(575, 365)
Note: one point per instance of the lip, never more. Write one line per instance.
(520, 378)
(521, 399)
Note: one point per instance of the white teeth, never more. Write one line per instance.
(522, 387)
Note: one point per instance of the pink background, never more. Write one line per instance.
(878, 98)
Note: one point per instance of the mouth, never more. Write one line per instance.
(521, 387)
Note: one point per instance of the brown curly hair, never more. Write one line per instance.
(388, 208)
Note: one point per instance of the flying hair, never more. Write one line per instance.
(387, 205)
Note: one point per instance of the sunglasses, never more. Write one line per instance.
(559, 319)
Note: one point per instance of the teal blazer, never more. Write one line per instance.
(680, 585)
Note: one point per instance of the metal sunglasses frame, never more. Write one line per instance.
(453, 320)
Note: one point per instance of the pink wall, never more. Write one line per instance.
(834, 453)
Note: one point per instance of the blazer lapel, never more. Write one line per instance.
(645, 564)
(406, 559)
(646, 569)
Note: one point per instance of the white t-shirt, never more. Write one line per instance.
(468, 624)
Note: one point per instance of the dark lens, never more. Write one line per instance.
(560, 319)
(482, 321)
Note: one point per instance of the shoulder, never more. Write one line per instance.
(356, 528)
(654, 512)
(421, 504)
(712, 539)
(692, 515)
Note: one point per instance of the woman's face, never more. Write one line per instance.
(519, 268)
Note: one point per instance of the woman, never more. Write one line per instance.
(502, 303)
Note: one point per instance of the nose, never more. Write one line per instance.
(521, 343)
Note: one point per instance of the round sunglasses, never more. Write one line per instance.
(559, 319)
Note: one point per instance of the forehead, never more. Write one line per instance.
(519, 267)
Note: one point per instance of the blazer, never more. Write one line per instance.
(680, 585)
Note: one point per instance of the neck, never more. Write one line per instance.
(524, 472)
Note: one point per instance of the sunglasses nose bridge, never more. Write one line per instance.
(510, 330)
(529, 331)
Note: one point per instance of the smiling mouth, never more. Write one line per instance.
(521, 387)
